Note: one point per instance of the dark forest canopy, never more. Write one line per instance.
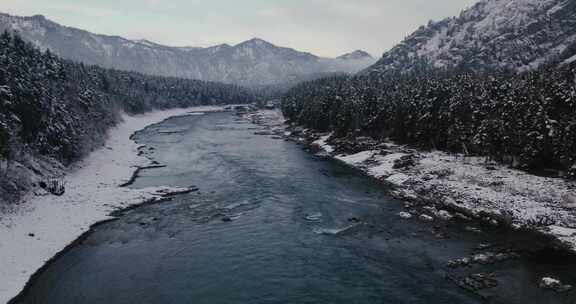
(62, 109)
(527, 120)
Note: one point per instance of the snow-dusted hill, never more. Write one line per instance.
(251, 63)
(493, 34)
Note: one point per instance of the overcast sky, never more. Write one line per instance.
(323, 27)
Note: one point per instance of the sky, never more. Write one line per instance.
(324, 27)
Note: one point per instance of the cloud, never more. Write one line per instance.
(84, 10)
(324, 27)
(30, 7)
(152, 3)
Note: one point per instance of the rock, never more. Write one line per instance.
(443, 173)
(54, 185)
(445, 215)
(478, 281)
(398, 179)
(484, 246)
(430, 209)
(355, 220)
(405, 162)
(426, 218)
(569, 200)
(473, 229)
(462, 217)
(459, 263)
(405, 215)
(41, 192)
(503, 256)
(448, 201)
(483, 258)
(554, 284)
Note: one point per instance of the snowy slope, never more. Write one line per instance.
(251, 63)
(493, 34)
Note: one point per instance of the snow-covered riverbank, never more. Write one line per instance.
(47, 224)
(492, 193)
(447, 184)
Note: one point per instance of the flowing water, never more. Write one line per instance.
(274, 224)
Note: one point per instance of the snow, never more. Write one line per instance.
(356, 159)
(487, 26)
(322, 143)
(398, 179)
(493, 193)
(31, 237)
(405, 215)
(385, 166)
(570, 60)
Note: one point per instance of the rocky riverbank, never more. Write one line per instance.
(441, 188)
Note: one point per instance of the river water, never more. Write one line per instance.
(274, 224)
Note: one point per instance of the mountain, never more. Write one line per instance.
(356, 55)
(471, 103)
(251, 63)
(516, 35)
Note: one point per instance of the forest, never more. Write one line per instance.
(60, 109)
(527, 120)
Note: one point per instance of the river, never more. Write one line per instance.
(272, 223)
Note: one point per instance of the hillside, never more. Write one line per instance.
(516, 35)
(251, 63)
(53, 112)
(497, 82)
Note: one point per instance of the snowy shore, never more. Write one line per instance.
(452, 186)
(47, 224)
(469, 188)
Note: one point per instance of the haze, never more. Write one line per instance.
(323, 27)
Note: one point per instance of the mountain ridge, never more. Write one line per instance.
(254, 62)
(516, 35)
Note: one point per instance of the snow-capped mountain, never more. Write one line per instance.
(251, 63)
(356, 55)
(514, 35)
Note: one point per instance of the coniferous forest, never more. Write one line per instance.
(63, 109)
(525, 120)
(54, 111)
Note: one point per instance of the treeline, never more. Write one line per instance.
(61, 109)
(526, 120)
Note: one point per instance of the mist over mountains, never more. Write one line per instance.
(251, 63)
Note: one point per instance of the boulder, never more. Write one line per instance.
(554, 284)
(405, 215)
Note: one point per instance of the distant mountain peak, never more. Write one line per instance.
(256, 42)
(39, 17)
(356, 55)
(254, 62)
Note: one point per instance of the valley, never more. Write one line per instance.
(443, 171)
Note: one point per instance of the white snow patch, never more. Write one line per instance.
(398, 179)
(528, 201)
(570, 60)
(386, 165)
(405, 215)
(322, 143)
(92, 193)
(357, 158)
